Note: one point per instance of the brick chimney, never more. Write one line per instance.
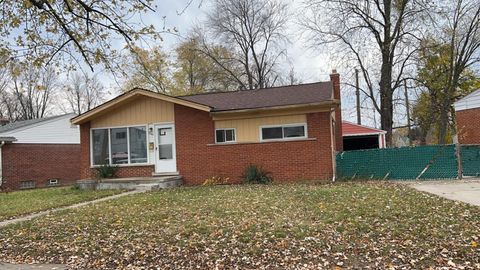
(335, 79)
(4, 121)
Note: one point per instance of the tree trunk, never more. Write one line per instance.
(386, 103)
(386, 92)
(444, 117)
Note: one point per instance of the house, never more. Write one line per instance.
(467, 112)
(290, 131)
(39, 153)
(356, 137)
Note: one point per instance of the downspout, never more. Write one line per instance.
(1, 175)
(333, 143)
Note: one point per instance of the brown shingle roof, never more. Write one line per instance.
(268, 97)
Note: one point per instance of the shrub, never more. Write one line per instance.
(254, 174)
(106, 171)
(215, 180)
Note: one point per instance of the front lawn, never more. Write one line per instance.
(381, 226)
(19, 203)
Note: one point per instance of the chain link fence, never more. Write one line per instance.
(406, 163)
(470, 156)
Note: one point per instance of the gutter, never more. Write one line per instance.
(326, 104)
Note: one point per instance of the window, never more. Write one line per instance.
(100, 150)
(294, 132)
(270, 133)
(138, 145)
(225, 135)
(53, 182)
(126, 145)
(119, 145)
(165, 143)
(27, 184)
(283, 132)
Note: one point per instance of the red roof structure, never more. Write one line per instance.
(351, 129)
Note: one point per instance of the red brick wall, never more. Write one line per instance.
(468, 126)
(40, 163)
(335, 78)
(198, 158)
(85, 171)
(89, 173)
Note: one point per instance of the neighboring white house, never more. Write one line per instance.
(48, 130)
(39, 152)
(471, 101)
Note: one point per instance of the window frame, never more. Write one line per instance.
(225, 129)
(129, 164)
(283, 126)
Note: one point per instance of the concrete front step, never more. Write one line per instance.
(137, 183)
(155, 174)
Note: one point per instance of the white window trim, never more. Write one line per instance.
(110, 146)
(283, 126)
(55, 180)
(225, 142)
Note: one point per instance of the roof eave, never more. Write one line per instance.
(275, 111)
(326, 104)
(364, 134)
(379, 131)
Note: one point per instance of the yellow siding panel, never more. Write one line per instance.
(248, 129)
(140, 111)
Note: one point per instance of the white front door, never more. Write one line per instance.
(165, 156)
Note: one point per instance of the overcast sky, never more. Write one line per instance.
(310, 64)
(307, 62)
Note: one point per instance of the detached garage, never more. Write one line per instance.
(39, 153)
(357, 137)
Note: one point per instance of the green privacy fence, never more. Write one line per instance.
(420, 162)
(470, 156)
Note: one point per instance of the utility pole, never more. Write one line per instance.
(357, 91)
(407, 106)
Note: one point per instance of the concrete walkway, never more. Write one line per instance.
(467, 191)
(43, 213)
(9, 266)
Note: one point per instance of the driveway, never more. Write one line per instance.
(465, 191)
